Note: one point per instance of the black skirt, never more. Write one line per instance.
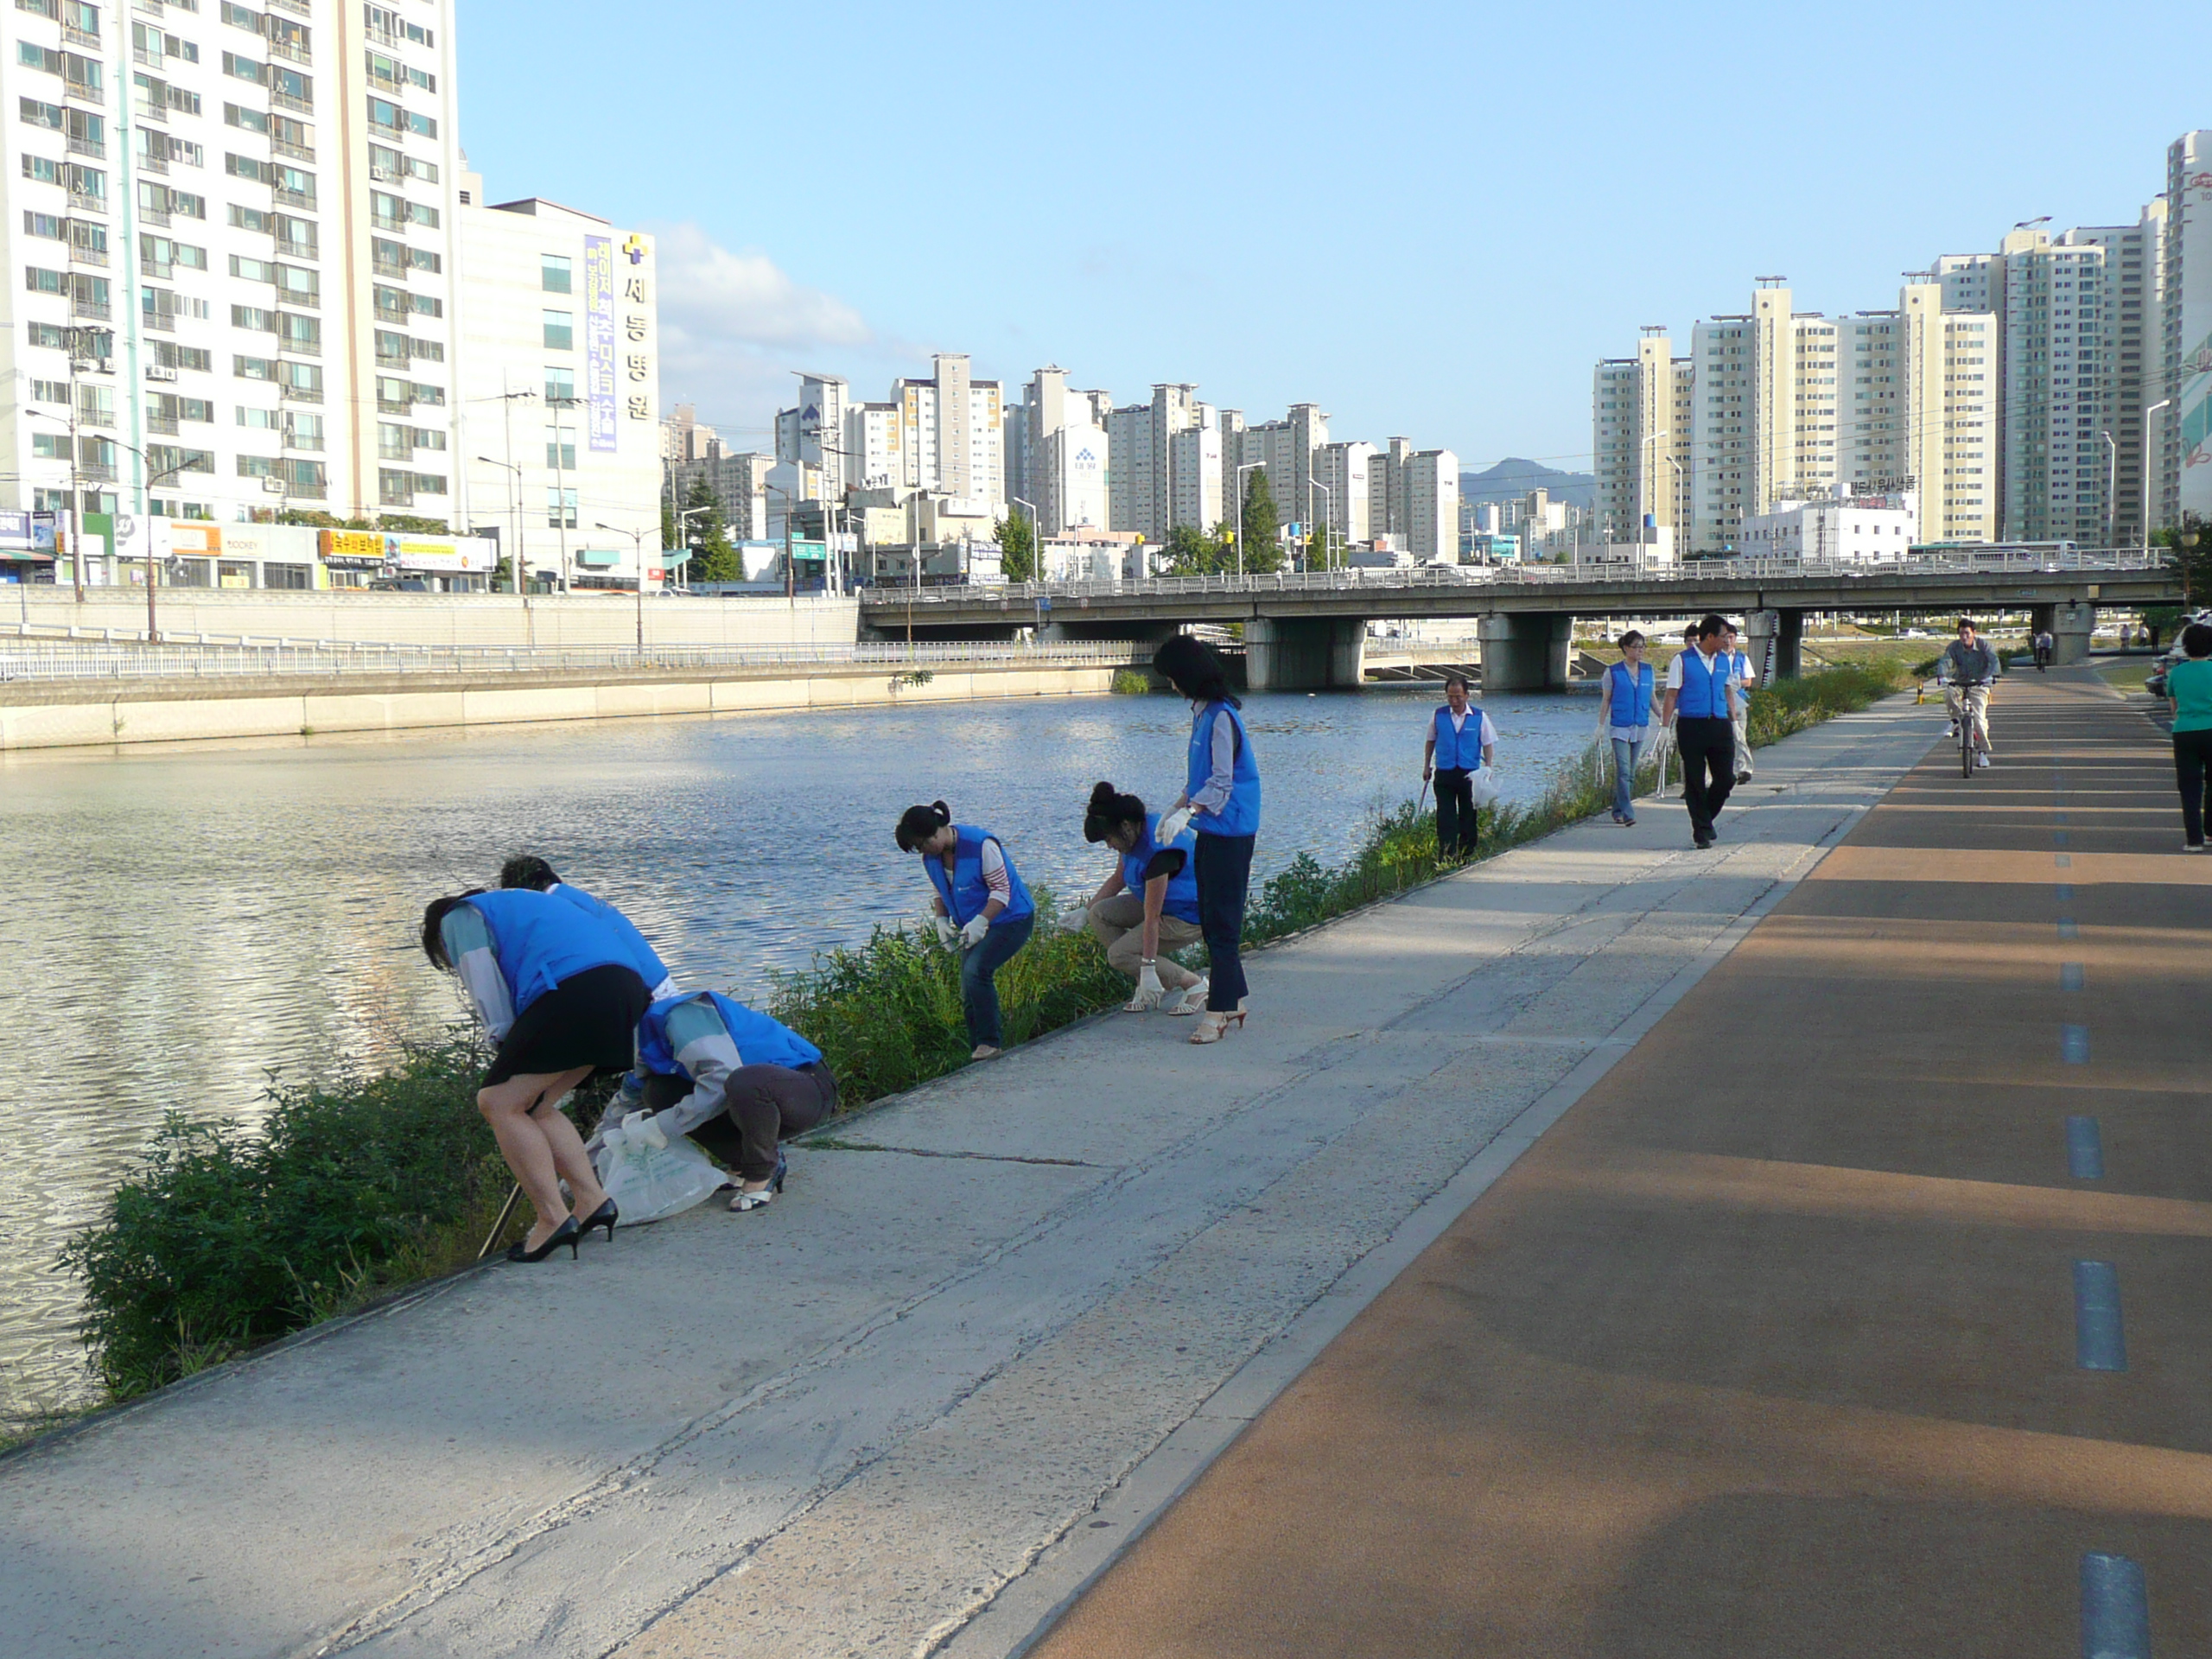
(588, 1019)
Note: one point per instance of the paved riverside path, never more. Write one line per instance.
(1769, 1347)
(911, 1406)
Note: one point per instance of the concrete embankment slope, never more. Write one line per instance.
(1860, 1311)
(914, 1404)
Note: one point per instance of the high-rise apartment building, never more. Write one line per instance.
(1285, 449)
(1344, 471)
(1198, 480)
(1918, 414)
(231, 227)
(810, 436)
(1642, 415)
(1062, 434)
(955, 436)
(2182, 433)
(557, 401)
(1764, 425)
(741, 485)
(1140, 444)
(683, 437)
(1413, 498)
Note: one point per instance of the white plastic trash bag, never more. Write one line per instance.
(650, 1175)
(1485, 785)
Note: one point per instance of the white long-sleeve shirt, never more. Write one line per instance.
(1221, 759)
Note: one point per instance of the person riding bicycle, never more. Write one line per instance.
(1966, 669)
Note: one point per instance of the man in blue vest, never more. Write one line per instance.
(1701, 705)
(1460, 739)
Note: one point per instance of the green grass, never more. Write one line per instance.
(1131, 683)
(2127, 674)
(226, 1238)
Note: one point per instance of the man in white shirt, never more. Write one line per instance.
(1747, 677)
(1462, 732)
(1701, 705)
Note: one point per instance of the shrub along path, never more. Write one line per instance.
(988, 1326)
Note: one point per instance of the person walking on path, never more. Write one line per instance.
(1460, 739)
(980, 904)
(556, 988)
(1221, 801)
(2188, 688)
(1148, 905)
(1700, 707)
(1624, 715)
(528, 871)
(2043, 650)
(1968, 668)
(739, 1082)
(1745, 677)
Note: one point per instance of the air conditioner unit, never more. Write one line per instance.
(105, 365)
(273, 485)
(155, 371)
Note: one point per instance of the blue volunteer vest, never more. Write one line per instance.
(1631, 699)
(1182, 889)
(967, 893)
(760, 1040)
(642, 957)
(1462, 748)
(1240, 813)
(1704, 695)
(540, 941)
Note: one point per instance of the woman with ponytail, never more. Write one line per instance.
(1148, 904)
(978, 903)
(1220, 801)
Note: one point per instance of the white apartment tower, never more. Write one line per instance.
(1764, 426)
(232, 229)
(1920, 412)
(954, 427)
(1344, 472)
(1414, 496)
(1196, 475)
(1286, 450)
(2182, 433)
(1063, 434)
(1640, 420)
(1141, 478)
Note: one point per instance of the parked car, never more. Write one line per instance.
(2156, 683)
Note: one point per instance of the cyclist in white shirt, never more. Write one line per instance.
(1968, 668)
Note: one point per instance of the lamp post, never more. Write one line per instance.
(2188, 540)
(637, 553)
(558, 406)
(790, 585)
(514, 514)
(1329, 496)
(2112, 488)
(1237, 523)
(153, 478)
(2163, 403)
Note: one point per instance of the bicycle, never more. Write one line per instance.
(1962, 713)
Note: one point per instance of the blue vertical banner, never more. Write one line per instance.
(599, 341)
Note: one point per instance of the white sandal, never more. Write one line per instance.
(1215, 1026)
(1194, 999)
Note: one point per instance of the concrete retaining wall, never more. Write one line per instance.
(447, 619)
(150, 715)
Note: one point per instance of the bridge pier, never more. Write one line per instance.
(1775, 641)
(1299, 654)
(1526, 651)
(2070, 627)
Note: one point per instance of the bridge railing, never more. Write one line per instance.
(55, 660)
(1704, 573)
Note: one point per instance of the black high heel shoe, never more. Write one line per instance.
(605, 1215)
(567, 1233)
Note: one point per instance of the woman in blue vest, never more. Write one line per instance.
(556, 987)
(739, 1082)
(1149, 905)
(528, 870)
(980, 902)
(1624, 714)
(1221, 801)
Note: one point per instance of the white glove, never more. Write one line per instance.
(972, 935)
(1074, 921)
(1149, 991)
(1173, 824)
(946, 933)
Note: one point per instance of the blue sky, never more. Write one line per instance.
(1430, 219)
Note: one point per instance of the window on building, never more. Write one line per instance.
(559, 386)
(555, 275)
(561, 509)
(559, 330)
(561, 452)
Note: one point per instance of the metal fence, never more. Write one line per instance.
(1428, 578)
(52, 660)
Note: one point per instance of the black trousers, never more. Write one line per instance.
(762, 1104)
(2192, 758)
(1708, 746)
(1455, 810)
(1224, 871)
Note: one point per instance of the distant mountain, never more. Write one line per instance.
(1513, 477)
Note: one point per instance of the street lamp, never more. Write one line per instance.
(791, 584)
(1330, 495)
(1237, 523)
(2112, 488)
(153, 478)
(2163, 403)
(638, 552)
(514, 499)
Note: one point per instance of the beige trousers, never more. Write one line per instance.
(1118, 923)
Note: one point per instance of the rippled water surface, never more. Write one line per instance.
(181, 922)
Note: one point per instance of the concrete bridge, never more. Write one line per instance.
(1304, 631)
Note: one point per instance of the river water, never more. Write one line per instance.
(185, 921)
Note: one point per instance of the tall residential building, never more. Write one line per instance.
(1414, 496)
(233, 232)
(1196, 478)
(683, 437)
(2182, 433)
(1641, 417)
(1286, 450)
(955, 436)
(741, 485)
(1344, 471)
(876, 446)
(1920, 416)
(1139, 446)
(810, 435)
(1764, 426)
(1062, 433)
(558, 402)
